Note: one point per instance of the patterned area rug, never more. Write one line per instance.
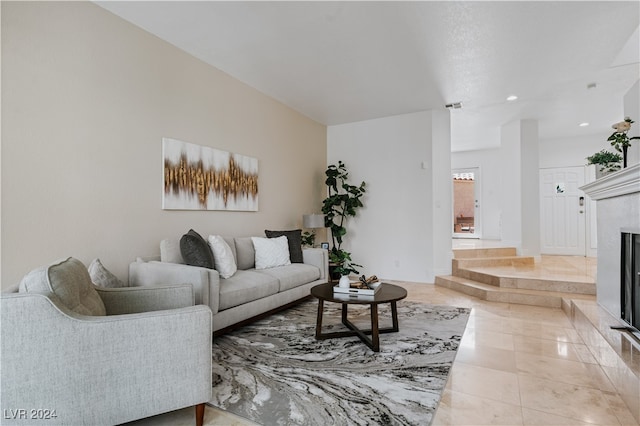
(274, 372)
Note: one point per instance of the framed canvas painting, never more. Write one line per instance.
(203, 178)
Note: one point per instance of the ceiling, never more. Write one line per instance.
(338, 62)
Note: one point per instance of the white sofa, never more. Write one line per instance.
(245, 296)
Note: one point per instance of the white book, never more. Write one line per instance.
(356, 291)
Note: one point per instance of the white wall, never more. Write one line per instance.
(87, 98)
(632, 110)
(510, 152)
(553, 153)
(530, 188)
(570, 152)
(404, 230)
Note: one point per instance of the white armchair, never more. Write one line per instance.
(149, 354)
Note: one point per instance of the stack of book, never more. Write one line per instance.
(357, 289)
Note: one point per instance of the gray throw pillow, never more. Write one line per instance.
(294, 238)
(69, 280)
(195, 250)
(102, 277)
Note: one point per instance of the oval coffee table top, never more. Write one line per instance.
(387, 293)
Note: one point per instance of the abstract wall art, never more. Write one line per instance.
(203, 178)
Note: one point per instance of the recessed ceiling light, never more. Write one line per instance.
(512, 98)
(585, 124)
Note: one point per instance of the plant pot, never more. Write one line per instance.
(605, 169)
(344, 282)
(333, 275)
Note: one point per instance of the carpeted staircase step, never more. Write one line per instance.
(484, 252)
(550, 299)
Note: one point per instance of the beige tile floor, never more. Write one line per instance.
(516, 365)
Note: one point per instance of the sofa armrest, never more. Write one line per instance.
(205, 282)
(101, 370)
(319, 258)
(131, 300)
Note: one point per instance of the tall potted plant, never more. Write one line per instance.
(343, 201)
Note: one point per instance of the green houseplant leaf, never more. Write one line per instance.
(343, 201)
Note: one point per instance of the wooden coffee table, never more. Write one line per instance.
(388, 293)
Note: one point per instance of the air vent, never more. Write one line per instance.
(455, 105)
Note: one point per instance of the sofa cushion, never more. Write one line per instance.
(223, 258)
(244, 287)
(294, 275)
(294, 238)
(170, 251)
(69, 280)
(231, 242)
(102, 277)
(245, 253)
(271, 252)
(195, 250)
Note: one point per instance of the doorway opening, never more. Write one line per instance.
(466, 202)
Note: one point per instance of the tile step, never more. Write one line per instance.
(550, 299)
(484, 252)
(523, 283)
(493, 261)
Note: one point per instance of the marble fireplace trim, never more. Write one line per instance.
(617, 199)
(617, 353)
(622, 182)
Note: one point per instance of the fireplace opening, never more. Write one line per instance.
(630, 281)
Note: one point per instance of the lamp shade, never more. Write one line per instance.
(313, 221)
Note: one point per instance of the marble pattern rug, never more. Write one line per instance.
(274, 372)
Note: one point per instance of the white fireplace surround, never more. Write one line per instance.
(617, 199)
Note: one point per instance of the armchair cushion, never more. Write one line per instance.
(102, 277)
(131, 300)
(69, 280)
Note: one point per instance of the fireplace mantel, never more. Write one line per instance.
(622, 182)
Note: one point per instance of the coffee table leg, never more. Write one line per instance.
(319, 319)
(344, 314)
(394, 317)
(375, 332)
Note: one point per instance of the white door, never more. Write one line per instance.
(466, 203)
(562, 211)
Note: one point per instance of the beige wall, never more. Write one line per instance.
(86, 100)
